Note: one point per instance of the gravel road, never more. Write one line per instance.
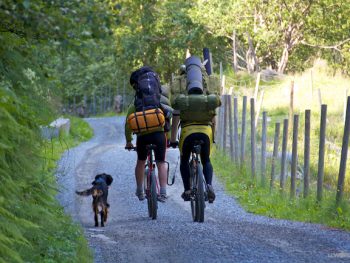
(229, 234)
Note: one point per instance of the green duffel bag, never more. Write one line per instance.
(197, 108)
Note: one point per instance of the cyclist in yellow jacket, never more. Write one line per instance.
(196, 113)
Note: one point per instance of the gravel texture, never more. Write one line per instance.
(229, 234)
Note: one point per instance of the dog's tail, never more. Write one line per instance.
(86, 192)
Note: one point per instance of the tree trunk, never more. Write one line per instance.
(282, 64)
(234, 51)
(252, 61)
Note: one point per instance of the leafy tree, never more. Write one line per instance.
(279, 28)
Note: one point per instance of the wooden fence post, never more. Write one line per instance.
(307, 152)
(235, 129)
(229, 103)
(284, 154)
(291, 103)
(275, 153)
(320, 172)
(294, 155)
(344, 154)
(319, 97)
(263, 149)
(252, 135)
(221, 121)
(225, 123)
(345, 103)
(218, 124)
(257, 87)
(243, 135)
(259, 107)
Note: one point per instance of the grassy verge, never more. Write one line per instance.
(258, 199)
(33, 226)
(71, 234)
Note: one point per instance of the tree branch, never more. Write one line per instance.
(335, 47)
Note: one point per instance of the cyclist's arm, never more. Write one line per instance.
(128, 132)
(174, 125)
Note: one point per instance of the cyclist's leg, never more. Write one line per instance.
(204, 154)
(159, 139)
(184, 166)
(140, 165)
(207, 166)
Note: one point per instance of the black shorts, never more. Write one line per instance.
(189, 143)
(156, 138)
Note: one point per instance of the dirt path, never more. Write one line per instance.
(229, 234)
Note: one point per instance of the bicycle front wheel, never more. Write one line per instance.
(200, 197)
(153, 200)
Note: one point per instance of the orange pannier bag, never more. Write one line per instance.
(147, 120)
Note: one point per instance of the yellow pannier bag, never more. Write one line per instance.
(147, 120)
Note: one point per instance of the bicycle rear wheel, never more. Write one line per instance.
(147, 187)
(193, 185)
(153, 202)
(200, 197)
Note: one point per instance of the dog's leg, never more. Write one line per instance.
(102, 217)
(96, 215)
(106, 213)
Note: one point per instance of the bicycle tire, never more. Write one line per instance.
(200, 197)
(153, 196)
(193, 192)
(147, 187)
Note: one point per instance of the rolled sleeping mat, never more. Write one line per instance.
(194, 75)
(165, 91)
(164, 100)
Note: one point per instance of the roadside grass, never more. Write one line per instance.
(66, 234)
(33, 226)
(256, 198)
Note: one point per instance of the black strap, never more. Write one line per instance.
(144, 117)
(137, 122)
(157, 111)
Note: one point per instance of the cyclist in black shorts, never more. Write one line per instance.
(157, 137)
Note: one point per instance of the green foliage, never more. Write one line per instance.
(295, 31)
(33, 226)
(80, 131)
(258, 199)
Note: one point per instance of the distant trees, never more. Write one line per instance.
(74, 50)
(282, 29)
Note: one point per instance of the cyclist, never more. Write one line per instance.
(147, 97)
(196, 111)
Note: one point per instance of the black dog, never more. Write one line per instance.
(99, 192)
